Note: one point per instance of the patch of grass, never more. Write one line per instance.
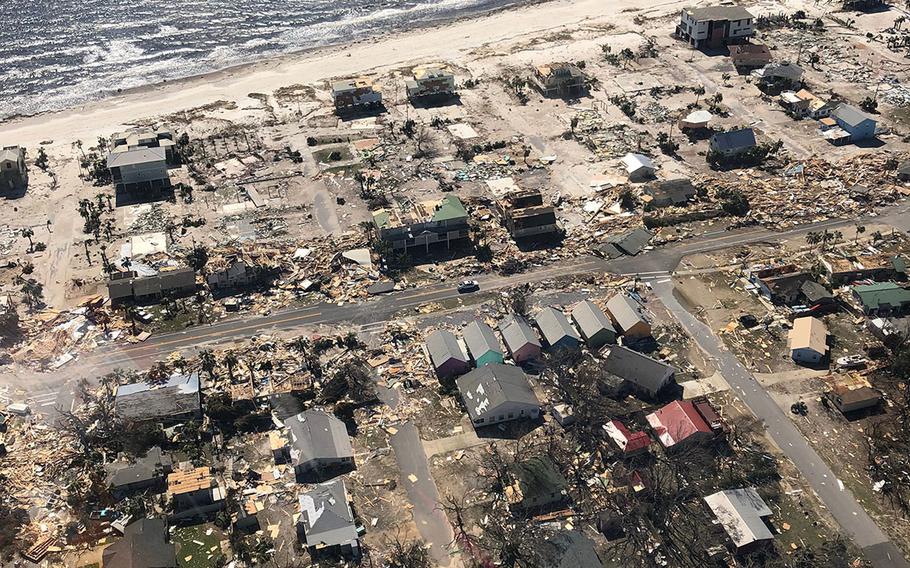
(188, 541)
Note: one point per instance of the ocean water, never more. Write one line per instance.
(57, 54)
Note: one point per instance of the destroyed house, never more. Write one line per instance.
(742, 514)
(750, 55)
(732, 143)
(175, 400)
(631, 242)
(237, 274)
(537, 483)
(326, 524)
(13, 171)
(423, 224)
(144, 545)
(780, 284)
(525, 215)
(784, 75)
(355, 93)
(520, 339)
(849, 400)
(808, 340)
(148, 472)
(674, 192)
(629, 443)
(194, 492)
(141, 168)
(129, 287)
(593, 324)
(446, 355)
(643, 374)
(497, 393)
(813, 294)
(842, 270)
(138, 138)
(482, 343)
(803, 103)
(628, 316)
(559, 80)
(556, 330)
(567, 549)
(319, 444)
(714, 26)
(680, 423)
(882, 299)
(431, 81)
(857, 124)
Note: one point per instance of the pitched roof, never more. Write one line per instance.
(626, 311)
(517, 333)
(882, 293)
(633, 241)
(145, 401)
(135, 157)
(635, 162)
(740, 512)
(480, 339)
(146, 468)
(443, 346)
(637, 368)
(677, 191)
(568, 549)
(490, 386)
(809, 333)
(590, 319)
(628, 442)
(449, 207)
(326, 516)
(315, 435)
(555, 326)
(851, 115)
(734, 140)
(144, 545)
(719, 13)
(10, 153)
(677, 421)
(814, 292)
(538, 477)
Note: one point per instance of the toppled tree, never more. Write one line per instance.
(515, 300)
(408, 555)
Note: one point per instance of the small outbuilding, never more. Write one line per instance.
(629, 443)
(638, 166)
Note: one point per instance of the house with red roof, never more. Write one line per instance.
(679, 422)
(630, 443)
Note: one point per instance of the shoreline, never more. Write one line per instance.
(450, 41)
(278, 58)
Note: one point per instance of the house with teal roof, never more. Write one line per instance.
(482, 343)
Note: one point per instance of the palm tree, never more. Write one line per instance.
(699, 91)
(813, 238)
(28, 233)
(859, 231)
(230, 361)
(32, 292)
(207, 359)
(130, 312)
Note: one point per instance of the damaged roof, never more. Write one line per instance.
(491, 386)
(326, 516)
(318, 435)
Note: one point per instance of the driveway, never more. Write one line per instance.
(852, 518)
(431, 521)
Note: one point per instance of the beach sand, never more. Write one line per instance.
(452, 42)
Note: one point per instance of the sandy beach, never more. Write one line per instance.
(452, 42)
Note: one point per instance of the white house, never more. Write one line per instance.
(497, 393)
(638, 166)
(714, 26)
(808, 340)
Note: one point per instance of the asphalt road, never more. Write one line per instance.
(837, 499)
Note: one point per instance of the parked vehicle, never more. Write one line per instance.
(468, 286)
(851, 362)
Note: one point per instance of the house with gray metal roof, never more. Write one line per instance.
(733, 142)
(644, 374)
(139, 168)
(147, 472)
(483, 346)
(632, 241)
(144, 545)
(326, 525)
(742, 514)
(448, 358)
(320, 447)
(858, 124)
(594, 325)
(555, 328)
(520, 339)
(497, 393)
(628, 316)
(175, 400)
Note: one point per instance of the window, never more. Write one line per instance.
(511, 415)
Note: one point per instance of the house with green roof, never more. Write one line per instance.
(537, 483)
(882, 299)
(407, 225)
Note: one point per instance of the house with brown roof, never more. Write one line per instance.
(849, 400)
